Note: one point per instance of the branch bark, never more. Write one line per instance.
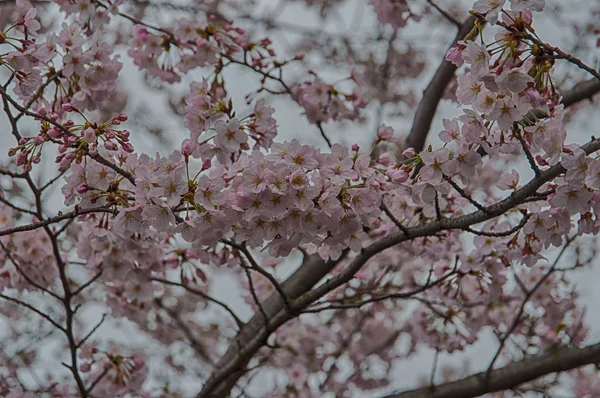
(512, 375)
(581, 91)
(433, 94)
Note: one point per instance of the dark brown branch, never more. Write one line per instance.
(205, 296)
(449, 17)
(512, 375)
(187, 331)
(374, 299)
(433, 94)
(91, 332)
(87, 284)
(388, 213)
(260, 270)
(581, 91)
(311, 271)
(32, 308)
(503, 233)
(464, 194)
(323, 134)
(55, 219)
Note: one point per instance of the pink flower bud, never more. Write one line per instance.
(397, 175)
(206, 164)
(68, 107)
(540, 160)
(122, 117)
(385, 159)
(42, 111)
(83, 188)
(138, 362)
(65, 164)
(85, 367)
(89, 135)
(454, 55)
(355, 147)
(409, 153)
(127, 147)
(22, 158)
(125, 135)
(385, 133)
(54, 132)
(188, 147)
(110, 145)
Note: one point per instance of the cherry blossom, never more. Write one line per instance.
(350, 255)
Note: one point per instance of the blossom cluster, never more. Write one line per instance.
(151, 227)
(394, 12)
(83, 69)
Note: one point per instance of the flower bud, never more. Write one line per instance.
(409, 153)
(68, 107)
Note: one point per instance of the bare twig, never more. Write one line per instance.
(204, 296)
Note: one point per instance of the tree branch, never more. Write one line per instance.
(512, 375)
(433, 94)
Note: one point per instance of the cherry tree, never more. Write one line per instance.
(351, 257)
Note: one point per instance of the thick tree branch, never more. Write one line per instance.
(512, 375)
(312, 270)
(433, 94)
(581, 91)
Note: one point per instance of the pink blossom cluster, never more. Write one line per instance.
(215, 131)
(322, 102)
(26, 257)
(83, 69)
(122, 374)
(191, 44)
(150, 228)
(75, 140)
(394, 12)
(295, 195)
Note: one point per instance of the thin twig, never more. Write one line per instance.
(32, 308)
(200, 293)
(528, 295)
(501, 234)
(91, 332)
(449, 17)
